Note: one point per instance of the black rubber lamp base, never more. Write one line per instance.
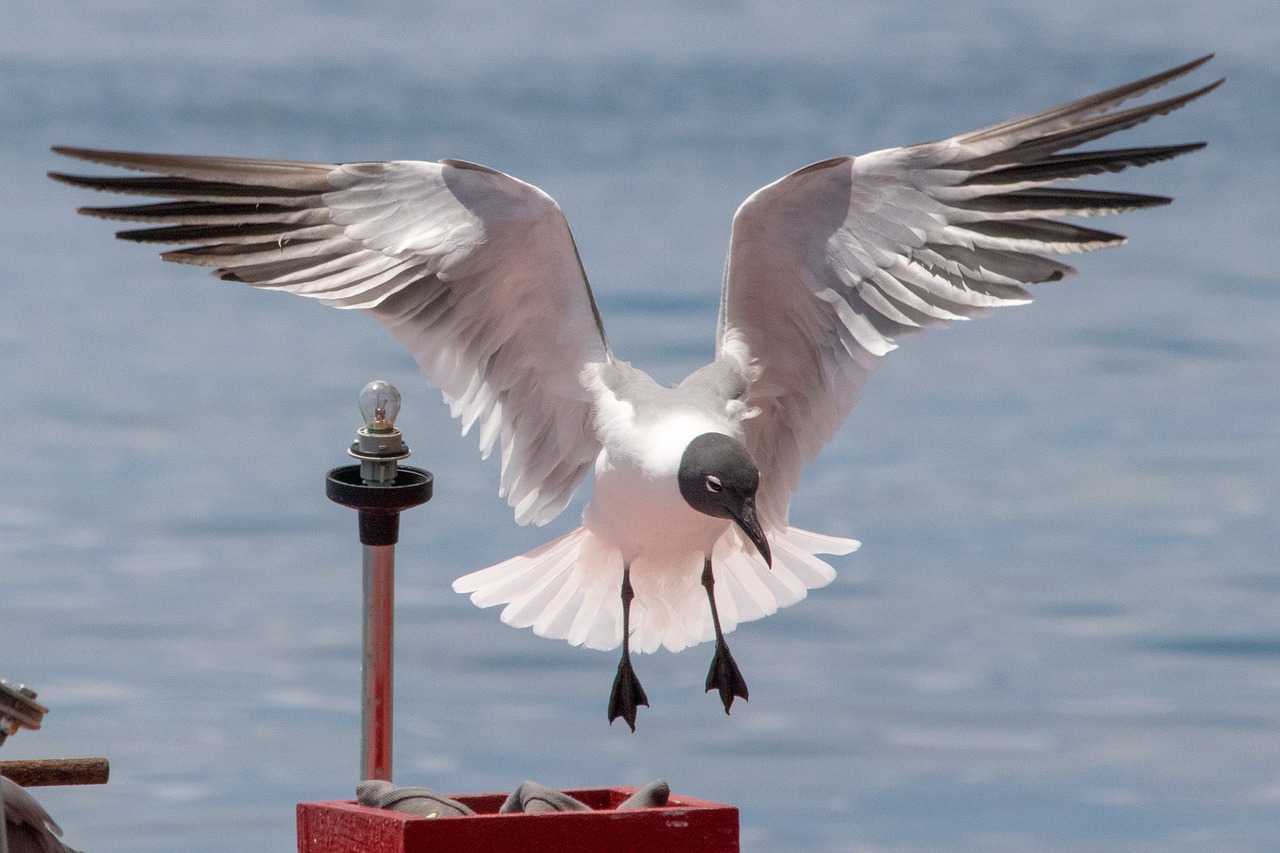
(379, 506)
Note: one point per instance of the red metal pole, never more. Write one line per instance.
(377, 689)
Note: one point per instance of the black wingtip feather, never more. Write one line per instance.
(1096, 104)
(1059, 167)
(203, 233)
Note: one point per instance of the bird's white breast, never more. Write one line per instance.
(636, 502)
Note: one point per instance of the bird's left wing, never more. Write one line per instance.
(831, 264)
(30, 829)
(475, 271)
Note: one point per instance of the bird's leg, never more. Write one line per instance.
(627, 693)
(723, 675)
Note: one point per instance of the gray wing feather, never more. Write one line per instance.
(831, 265)
(475, 271)
(28, 826)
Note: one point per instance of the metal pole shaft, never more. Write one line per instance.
(376, 695)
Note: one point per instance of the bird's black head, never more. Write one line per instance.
(718, 477)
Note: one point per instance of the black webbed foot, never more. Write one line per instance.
(725, 676)
(627, 694)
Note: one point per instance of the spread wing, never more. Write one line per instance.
(475, 271)
(831, 264)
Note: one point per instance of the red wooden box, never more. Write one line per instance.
(684, 825)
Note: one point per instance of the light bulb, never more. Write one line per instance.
(380, 404)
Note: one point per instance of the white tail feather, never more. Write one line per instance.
(569, 588)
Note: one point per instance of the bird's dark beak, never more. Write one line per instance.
(750, 525)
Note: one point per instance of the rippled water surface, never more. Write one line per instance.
(1061, 634)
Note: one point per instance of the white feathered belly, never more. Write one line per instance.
(644, 516)
(665, 541)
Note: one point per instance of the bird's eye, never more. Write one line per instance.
(714, 484)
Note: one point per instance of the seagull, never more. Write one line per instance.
(28, 826)
(686, 533)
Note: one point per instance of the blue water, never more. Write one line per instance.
(1063, 630)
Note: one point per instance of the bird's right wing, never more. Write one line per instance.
(831, 265)
(474, 271)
